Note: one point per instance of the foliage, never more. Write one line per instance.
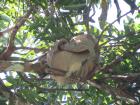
(51, 20)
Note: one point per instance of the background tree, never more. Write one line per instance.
(33, 27)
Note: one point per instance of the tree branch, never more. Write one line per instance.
(40, 89)
(7, 53)
(115, 92)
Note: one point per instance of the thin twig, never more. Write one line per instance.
(100, 36)
(117, 60)
(29, 48)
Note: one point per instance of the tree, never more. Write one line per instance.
(29, 28)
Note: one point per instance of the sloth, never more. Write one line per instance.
(73, 61)
(67, 61)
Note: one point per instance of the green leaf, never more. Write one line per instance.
(5, 18)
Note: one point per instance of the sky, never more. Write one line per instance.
(112, 14)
